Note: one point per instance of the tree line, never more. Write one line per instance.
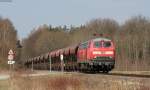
(8, 39)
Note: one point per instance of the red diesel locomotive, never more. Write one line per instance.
(96, 55)
(93, 55)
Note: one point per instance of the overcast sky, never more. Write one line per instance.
(28, 14)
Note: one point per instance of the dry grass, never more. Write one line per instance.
(73, 82)
(58, 82)
(4, 85)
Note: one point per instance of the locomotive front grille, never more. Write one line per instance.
(102, 61)
(103, 58)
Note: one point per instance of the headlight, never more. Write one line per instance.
(110, 57)
(95, 56)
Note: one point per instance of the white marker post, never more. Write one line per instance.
(62, 62)
(32, 66)
(50, 62)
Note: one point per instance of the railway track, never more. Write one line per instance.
(129, 75)
(95, 74)
(110, 74)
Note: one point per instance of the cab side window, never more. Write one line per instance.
(84, 45)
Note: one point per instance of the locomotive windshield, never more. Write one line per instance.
(106, 44)
(98, 44)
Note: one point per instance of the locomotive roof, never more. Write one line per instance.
(101, 39)
(97, 39)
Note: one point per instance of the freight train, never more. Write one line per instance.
(94, 55)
